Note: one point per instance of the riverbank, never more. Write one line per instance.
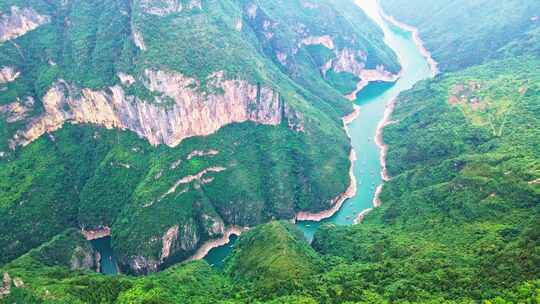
(337, 202)
(434, 65)
(367, 76)
(379, 141)
(350, 192)
(206, 247)
(389, 108)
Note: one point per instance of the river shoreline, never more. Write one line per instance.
(350, 192)
(434, 65)
(379, 140)
(203, 251)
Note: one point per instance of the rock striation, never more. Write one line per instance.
(19, 21)
(180, 109)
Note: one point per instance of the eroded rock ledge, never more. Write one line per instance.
(18, 22)
(180, 109)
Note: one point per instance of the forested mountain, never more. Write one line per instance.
(166, 122)
(460, 217)
(461, 33)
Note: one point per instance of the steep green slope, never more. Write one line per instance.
(364, 264)
(460, 218)
(274, 259)
(464, 33)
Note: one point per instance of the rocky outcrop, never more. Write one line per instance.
(5, 289)
(325, 40)
(126, 79)
(17, 110)
(178, 239)
(142, 265)
(8, 74)
(181, 110)
(167, 241)
(84, 259)
(138, 40)
(18, 22)
(98, 233)
(198, 153)
(214, 226)
(348, 60)
(165, 7)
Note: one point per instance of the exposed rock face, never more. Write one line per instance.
(192, 112)
(198, 153)
(126, 79)
(188, 179)
(142, 265)
(98, 233)
(215, 226)
(347, 61)
(167, 241)
(84, 259)
(325, 40)
(165, 7)
(353, 62)
(19, 21)
(8, 74)
(139, 40)
(17, 110)
(161, 7)
(5, 289)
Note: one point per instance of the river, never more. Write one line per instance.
(373, 101)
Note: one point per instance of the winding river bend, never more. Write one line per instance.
(373, 101)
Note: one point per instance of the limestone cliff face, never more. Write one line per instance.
(180, 111)
(18, 22)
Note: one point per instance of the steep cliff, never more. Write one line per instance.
(191, 113)
(18, 21)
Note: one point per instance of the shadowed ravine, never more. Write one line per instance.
(373, 101)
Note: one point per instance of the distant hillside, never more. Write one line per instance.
(463, 33)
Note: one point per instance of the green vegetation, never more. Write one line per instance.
(274, 260)
(368, 263)
(459, 221)
(463, 33)
(85, 177)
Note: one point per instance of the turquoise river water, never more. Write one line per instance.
(372, 101)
